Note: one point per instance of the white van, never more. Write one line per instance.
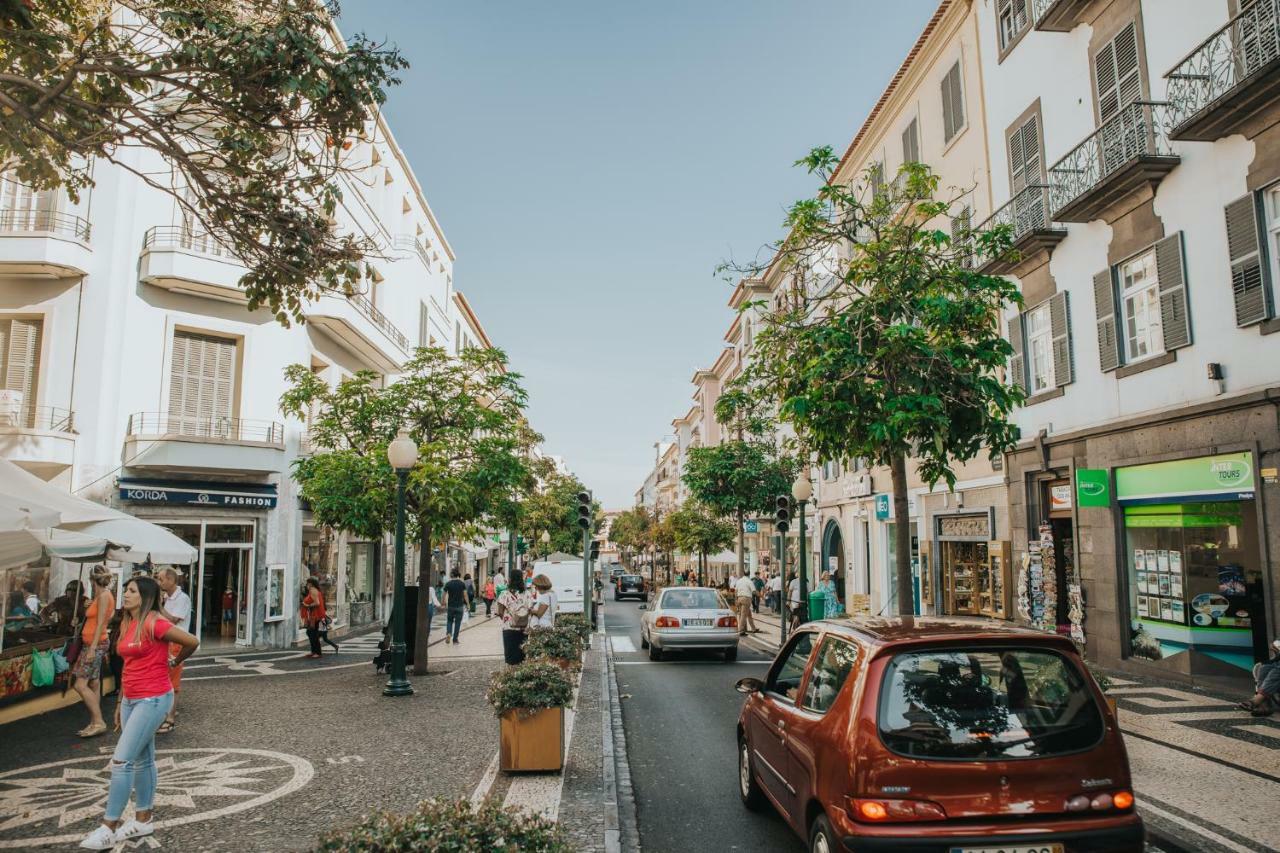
(566, 582)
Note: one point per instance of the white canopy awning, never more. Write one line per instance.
(723, 557)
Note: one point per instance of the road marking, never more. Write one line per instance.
(345, 759)
(622, 644)
(486, 782)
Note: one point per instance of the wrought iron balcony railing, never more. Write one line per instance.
(1224, 62)
(187, 239)
(408, 243)
(44, 221)
(164, 424)
(382, 321)
(1139, 130)
(1026, 214)
(50, 418)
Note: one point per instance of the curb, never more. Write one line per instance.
(621, 827)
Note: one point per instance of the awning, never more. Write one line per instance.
(723, 557)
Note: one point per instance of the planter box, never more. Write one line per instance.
(534, 742)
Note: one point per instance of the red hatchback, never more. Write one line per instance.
(931, 735)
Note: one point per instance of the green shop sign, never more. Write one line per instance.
(1197, 514)
(1093, 487)
(1228, 475)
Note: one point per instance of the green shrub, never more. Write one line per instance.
(443, 826)
(559, 643)
(576, 621)
(530, 686)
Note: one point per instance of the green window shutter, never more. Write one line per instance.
(1104, 302)
(1060, 323)
(1174, 319)
(1017, 363)
(1248, 272)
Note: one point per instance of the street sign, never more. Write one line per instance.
(882, 507)
(1093, 487)
(750, 527)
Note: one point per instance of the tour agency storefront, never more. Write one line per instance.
(226, 523)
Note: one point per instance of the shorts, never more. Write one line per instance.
(88, 665)
(175, 672)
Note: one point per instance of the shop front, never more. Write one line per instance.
(973, 574)
(347, 570)
(889, 553)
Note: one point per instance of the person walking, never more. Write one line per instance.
(311, 613)
(499, 584)
(456, 601)
(831, 603)
(793, 601)
(471, 594)
(146, 638)
(743, 590)
(175, 605)
(87, 671)
(758, 583)
(514, 609)
(489, 594)
(775, 592)
(545, 604)
(323, 629)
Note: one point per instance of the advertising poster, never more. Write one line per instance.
(1175, 586)
(1175, 562)
(1150, 561)
(1162, 560)
(1166, 609)
(1165, 585)
(1142, 605)
(1179, 614)
(1139, 559)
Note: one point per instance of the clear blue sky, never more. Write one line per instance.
(591, 161)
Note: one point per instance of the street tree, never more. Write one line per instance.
(552, 507)
(246, 112)
(464, 412)
(630, 531)
(700, 530)
(885, 342)
(663, 536)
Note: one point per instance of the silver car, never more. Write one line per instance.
(689, 617)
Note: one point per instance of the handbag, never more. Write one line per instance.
(71, 651)
(325, 624)
(42, 668)
(60, 664)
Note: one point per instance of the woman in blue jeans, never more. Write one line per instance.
(147, 697)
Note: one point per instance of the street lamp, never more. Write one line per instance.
(402, 453)
(545, 539)
(802, 490)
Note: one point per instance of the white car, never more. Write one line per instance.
(689, 617)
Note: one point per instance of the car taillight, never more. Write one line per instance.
(727, 622)
(667, 622)
(1100, 802)
(897, 811)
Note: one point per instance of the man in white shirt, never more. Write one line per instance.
(793, 601)
(743, 590)
(775, 590)
(176, 606)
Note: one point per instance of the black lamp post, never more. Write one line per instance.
(802, 490)
(402, 453)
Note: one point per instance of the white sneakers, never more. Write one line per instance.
(103, 838)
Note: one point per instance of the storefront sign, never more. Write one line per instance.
(882, 507)
(1093, 487)
(750, 527)
(1228, 475)
(1059, 497)
(967, 526)
(200, 494)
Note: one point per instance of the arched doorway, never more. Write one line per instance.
(833, 556)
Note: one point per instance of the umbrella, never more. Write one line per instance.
(19, 519)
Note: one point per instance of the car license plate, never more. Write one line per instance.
(1017, 848)
(697, 623)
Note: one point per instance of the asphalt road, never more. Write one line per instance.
(679, 716)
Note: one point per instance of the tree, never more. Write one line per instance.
(464, 412)
(552, 507)
(699, 530)
(663, 536)
(630, 530)
(886, 344)
(252, 107)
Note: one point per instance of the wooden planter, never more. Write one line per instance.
(534, 742)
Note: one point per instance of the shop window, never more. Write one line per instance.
(360, 582)
(1140, 297)
(232, 533)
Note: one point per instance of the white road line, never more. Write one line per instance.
(486, 782)
(621, 643)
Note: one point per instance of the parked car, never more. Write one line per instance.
(931, 734)
(630, 586)
(689, 617)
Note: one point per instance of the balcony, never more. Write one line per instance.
(175, 443)
(1226, 82)
(1032, 230)
(37, 243)
(1128, 152)
(1058, 16)
(40, 439)
(407, 243)
(179, 259)
(359, 326)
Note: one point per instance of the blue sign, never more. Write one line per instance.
(228, 495)
(882, 507)
(750, 527)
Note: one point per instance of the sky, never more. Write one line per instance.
(592, 161)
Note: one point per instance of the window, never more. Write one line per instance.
(20, 365)
(875, 175)
(1140, 307)
(24, 209)
(953, 118)
(911, 142)
(1024, 155)
(1040, 348)
(1012, 19)
(788, 671)
(831, 669)
(1116, 74)
(202, 384)
(692, 599)
(424, 325)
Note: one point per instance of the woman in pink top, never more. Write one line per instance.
(147, 697)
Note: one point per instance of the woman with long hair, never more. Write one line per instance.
(147, 696)
(515, 608)
(87, 670)
(312, 613)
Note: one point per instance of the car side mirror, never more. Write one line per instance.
(749, 685)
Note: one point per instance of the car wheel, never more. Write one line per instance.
(731, 654)
(821, 837)
(644, 642)
(748, 787)
(655, 653)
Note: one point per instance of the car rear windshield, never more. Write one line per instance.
(692, 599)
(631, 579)
(986, 704)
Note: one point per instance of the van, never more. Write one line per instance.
(566, 582)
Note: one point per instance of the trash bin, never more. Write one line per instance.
(817, 604)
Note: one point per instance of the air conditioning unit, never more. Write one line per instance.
(11, 407)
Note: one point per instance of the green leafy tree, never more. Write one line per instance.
(464, 412)
(700, 530)
(253, 107)
(885, 343)
(663, 536)
(630, 531)
(552, 507)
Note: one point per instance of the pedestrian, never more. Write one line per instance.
(175, 606)
(64, 612)
(88, 667)
(775, 592)
(146, 638)
(830, 604)
(499, 585)
(793, 601)
(758, 583)
(489, 594)
(743, 590)
(471, 594)
(543, 612)
(514, 606)
(311, 613)
(433, 604)
(455, 602)
(1266, 697)
(323, 629)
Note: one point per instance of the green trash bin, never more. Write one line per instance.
(817, 604)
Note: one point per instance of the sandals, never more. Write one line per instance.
(166, 727)
(93, 731)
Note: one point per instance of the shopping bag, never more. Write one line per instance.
(466, 616)
(42, 670)
(60, 664)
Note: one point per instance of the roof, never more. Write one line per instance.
(887, 631)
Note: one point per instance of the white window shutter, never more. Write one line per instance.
(1248, 272)
(202, 379)
(20, 349)
(1116, 73)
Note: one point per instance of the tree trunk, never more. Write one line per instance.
(702, 568)
(424, 596)
(742, 546)
(902, 535)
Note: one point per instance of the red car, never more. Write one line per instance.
(934, 735)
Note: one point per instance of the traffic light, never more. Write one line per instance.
(521, 545)
(595, 549)
(782, 513)
(584, 509)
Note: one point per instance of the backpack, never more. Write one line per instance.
(520, 611)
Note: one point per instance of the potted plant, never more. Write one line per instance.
(577, 622)
(529, 701)
(560, 645)
(448, 825)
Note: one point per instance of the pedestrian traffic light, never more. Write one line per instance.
(782, 513)
(584, 509)
(595, 549)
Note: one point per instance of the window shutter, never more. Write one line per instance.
(20, 349)
(877, 179)
(960, 236)
(1248, 273)
(1116, 73)
(1031, 150)
(1174, 320)
(1060, 326)
(424, 327)
(1017, 162)
(1017, 363)
(1104, 301)
(952, 103)
(201, 384)
(911, 143)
